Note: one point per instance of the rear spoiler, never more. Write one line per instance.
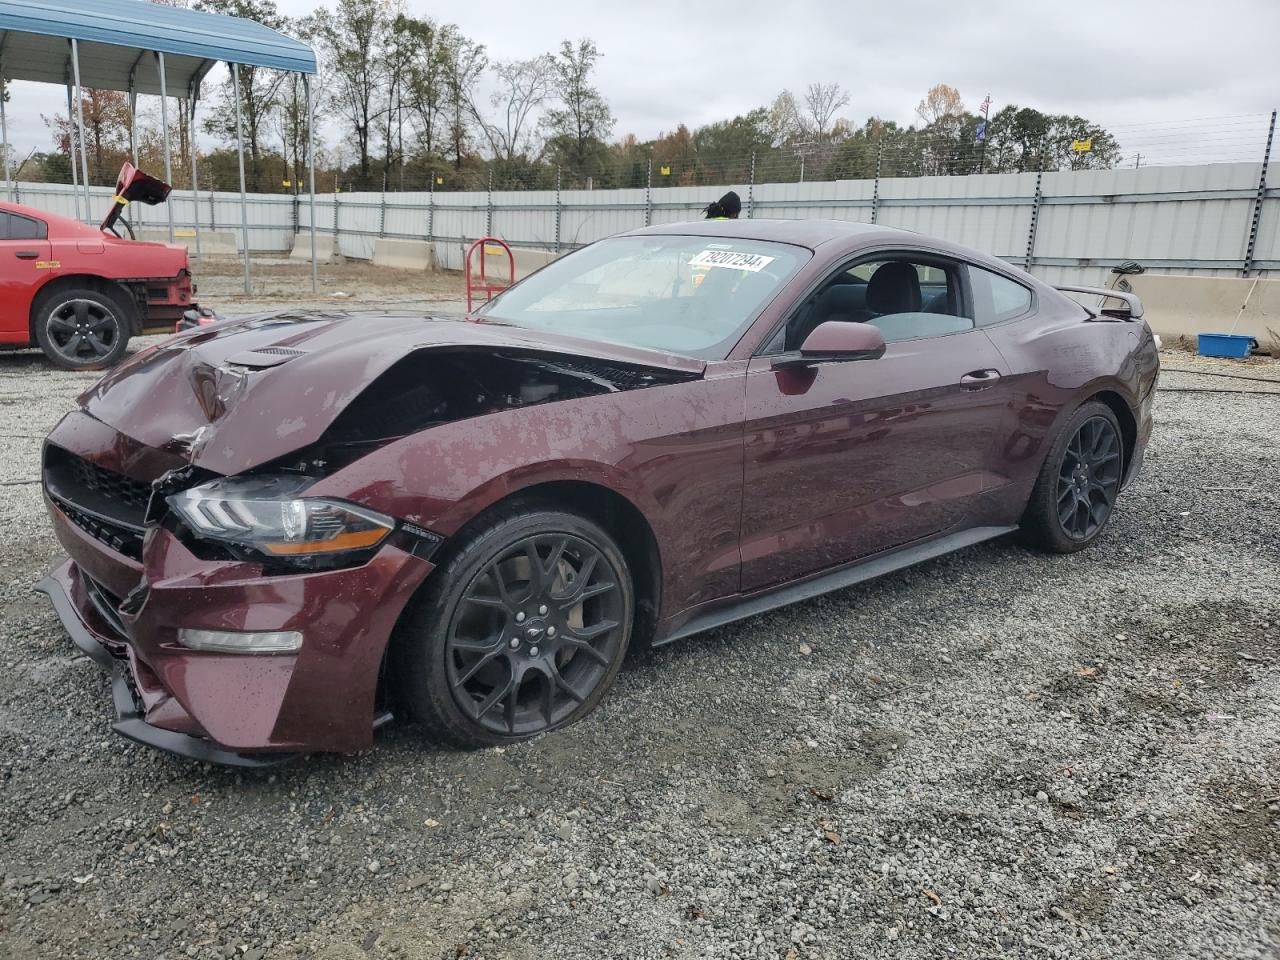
(1131, 300)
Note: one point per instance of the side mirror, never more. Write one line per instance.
(835, 341)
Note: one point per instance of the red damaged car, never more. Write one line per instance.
(283, 528)
(79, 292)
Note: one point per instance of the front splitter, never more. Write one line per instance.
(129, 721)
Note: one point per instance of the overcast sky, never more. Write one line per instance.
(1144, 68)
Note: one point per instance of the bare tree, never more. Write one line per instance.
(785, 123)
(941, 102)
(583, 119)
(463, 62)
(258, 86)
(351, 38)
(523, 87)
(821, 102)
(395, 54)
(425, 89)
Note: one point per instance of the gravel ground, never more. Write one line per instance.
(995, 754)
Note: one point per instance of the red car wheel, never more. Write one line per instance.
(82, 329)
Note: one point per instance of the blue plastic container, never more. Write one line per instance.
(1225, 344)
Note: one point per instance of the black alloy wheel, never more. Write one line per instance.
(1089, 478)
(522, 630)
(82, 329)
(1079, 481)
(537, 630)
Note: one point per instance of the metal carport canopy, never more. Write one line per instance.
(114, 36)
(140, 47)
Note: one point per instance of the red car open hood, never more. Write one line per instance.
(243, 392)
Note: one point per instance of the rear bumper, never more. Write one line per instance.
(163, 301)
(1145, 423)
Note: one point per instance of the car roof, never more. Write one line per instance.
(803, 233)
(64, 225)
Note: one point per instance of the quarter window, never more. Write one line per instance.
(997, 298)
(16, 227)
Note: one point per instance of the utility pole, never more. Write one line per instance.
(803, 150)
(1137, 160)
(985, 110)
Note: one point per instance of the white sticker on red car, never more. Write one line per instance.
(752, 262)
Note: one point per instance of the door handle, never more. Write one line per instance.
(27, 254)
(979, 379)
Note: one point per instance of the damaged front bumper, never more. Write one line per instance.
(234, 709)
(130, 711)
(244, 710)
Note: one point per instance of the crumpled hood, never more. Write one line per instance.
(243, 392)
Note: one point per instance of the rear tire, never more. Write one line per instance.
(520, 631)
(1076, 490)
(82, 329)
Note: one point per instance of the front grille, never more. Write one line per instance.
(107, 505)
(115, 486)
(120, 539)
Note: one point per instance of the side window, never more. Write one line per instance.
(16, 227)
(997, 298)
(907, 299)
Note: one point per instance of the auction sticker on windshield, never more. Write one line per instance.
(752, 262)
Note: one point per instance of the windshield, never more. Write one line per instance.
(693, 296)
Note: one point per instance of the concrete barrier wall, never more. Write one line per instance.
(326, 247)
(403, 254)
(212, 243)
(1186, 306)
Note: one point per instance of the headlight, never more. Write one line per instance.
(269, 514)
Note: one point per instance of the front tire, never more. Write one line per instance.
(82, 329)
(1078, 484)
(521, 631)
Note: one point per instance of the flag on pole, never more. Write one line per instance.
(983, 108)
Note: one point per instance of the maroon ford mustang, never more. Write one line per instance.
(282, 528)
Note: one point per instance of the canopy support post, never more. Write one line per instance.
(4, 128)
(244, 198)
(133, 111)
(311, 175)
(71, 149)
(84, 156)
(164, 124)
(133, 124)
(193, 96)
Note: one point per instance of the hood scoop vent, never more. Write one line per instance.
(264, 357)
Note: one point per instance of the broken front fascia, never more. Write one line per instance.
(221, 517)
(429, 388)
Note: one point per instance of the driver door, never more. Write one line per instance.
(846, 459)
(24, 260)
